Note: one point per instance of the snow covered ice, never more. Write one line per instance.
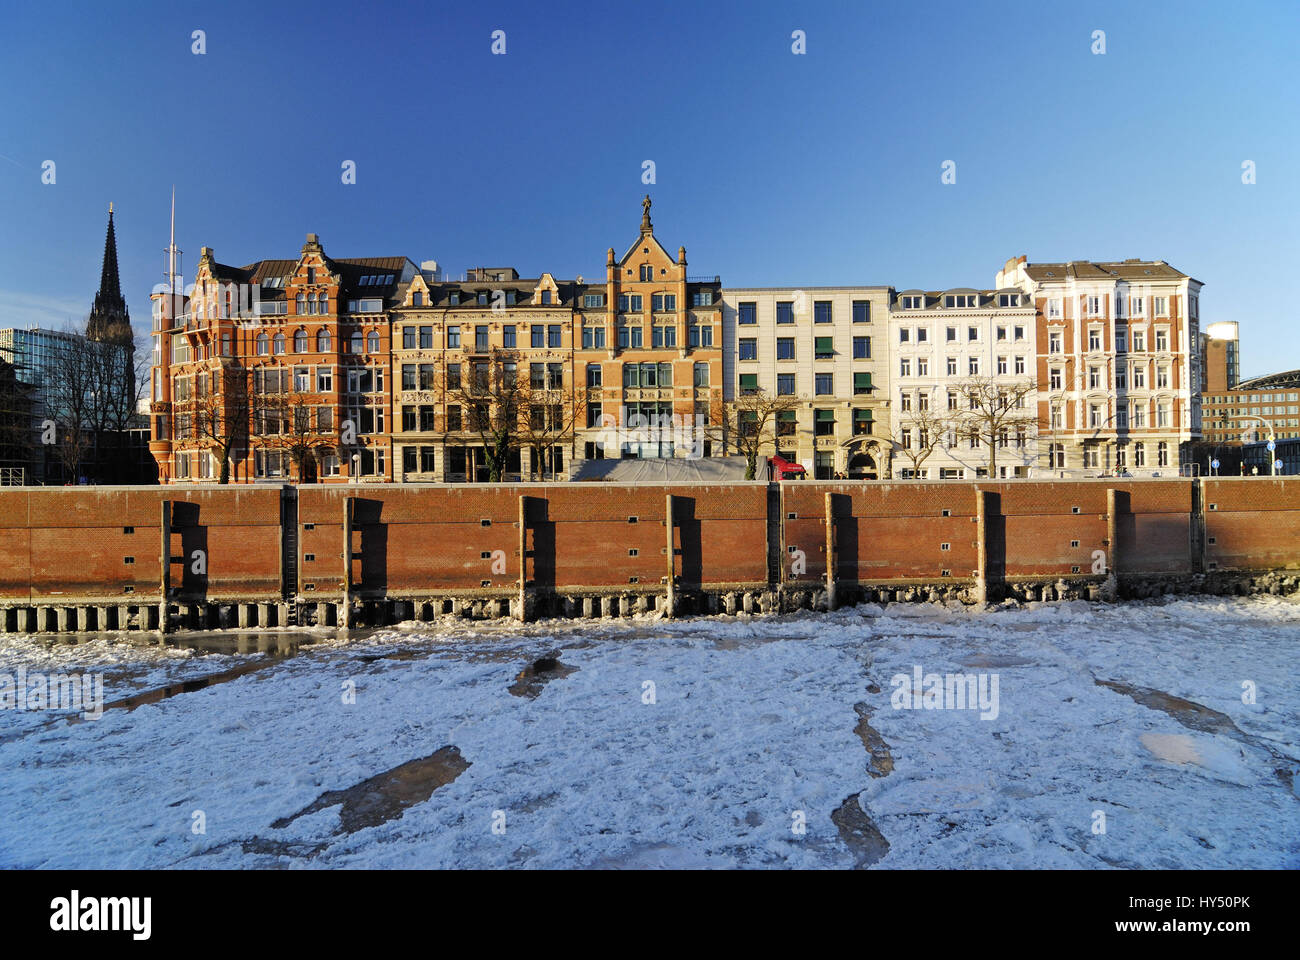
(693, 743)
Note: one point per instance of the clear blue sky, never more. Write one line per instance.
(772, 168)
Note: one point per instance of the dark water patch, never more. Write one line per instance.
(1194, 716)
(533, 678)
(188, 686)
(859, 832)
(387, 795)
(881, 763)
(1198, 717)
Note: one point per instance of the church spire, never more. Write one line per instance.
(109, 319)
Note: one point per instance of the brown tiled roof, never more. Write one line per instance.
(1104, 270)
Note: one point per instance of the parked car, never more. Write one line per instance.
(783, 469)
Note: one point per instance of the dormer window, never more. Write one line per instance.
(546, 297)
(962, 301)
(453, 298)
(913, 303)
(417, 299)
(482, 298)
(1008, 300)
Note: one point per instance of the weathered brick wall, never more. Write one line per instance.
(1252, 523)
(72, 544)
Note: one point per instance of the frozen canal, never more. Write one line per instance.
(1160, 734)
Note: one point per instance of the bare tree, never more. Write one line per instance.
(917, 434)
(749, 424)
(219, 408)
(510, 407)
(16, 399)
(995, 413)
(297, 425)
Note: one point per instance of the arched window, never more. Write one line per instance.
(300, 341)
(357, 341)
(372, 342)
(322, 340)
(302, 301)
(323, 303)
(278, 344)
(263, 344)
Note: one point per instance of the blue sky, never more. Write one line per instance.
(771, 168)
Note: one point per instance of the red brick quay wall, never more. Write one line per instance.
(102, 558)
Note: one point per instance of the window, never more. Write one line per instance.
(700, 335)
(823, 384)
(861, 311)
(702, 298)
(1160, 306)
(973, 366)
(1002, 333)
(822, 311)
(1008, 299)
(1055, 378)
(785, 311)
(1002, 365)
(1162, 341)
(647, 273)
(1020, 366)
(1054, 308)
(663, 335)
(861, 383)
(913, 303)
(1094, 338)
(1162, 377)
(538, 336)
(824, 423)
(1054, 342)
(593, 375)
(972, 334)
(592, 301)
(748, 348)
(1095, 416)
(922, 334)
(480, 338)
(300, 341)
(1139, 341)
(823, 348)
(962, 301)
(593, 338)
(553, 335)
(904, 334)
(904, 367)
(785, 384)
(372, 342)
(263, 345)
(664, 302)
(748, 382)
(1093, 306)
(922, 366)
(1094, 377)
(1139, 454)
(508, 339)
(952, 366)
(785, 348)
(748, 313)
(301, 379)
(1121, 341)
(629, 302)
(277, 344)
(1139, 376)
(701, 374)
(861, 422)
(861, 348)
(453, 338)
(1162, 454)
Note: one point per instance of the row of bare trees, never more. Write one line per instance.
(990, 410)
(89, 393)
(501, 403)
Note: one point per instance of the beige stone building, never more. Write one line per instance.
(827, 347)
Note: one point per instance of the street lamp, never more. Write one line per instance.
(1272, 441)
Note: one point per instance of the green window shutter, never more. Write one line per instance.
(749, 381)
(862, 380)
(824, 344)
(825, 415)
(787, 415)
